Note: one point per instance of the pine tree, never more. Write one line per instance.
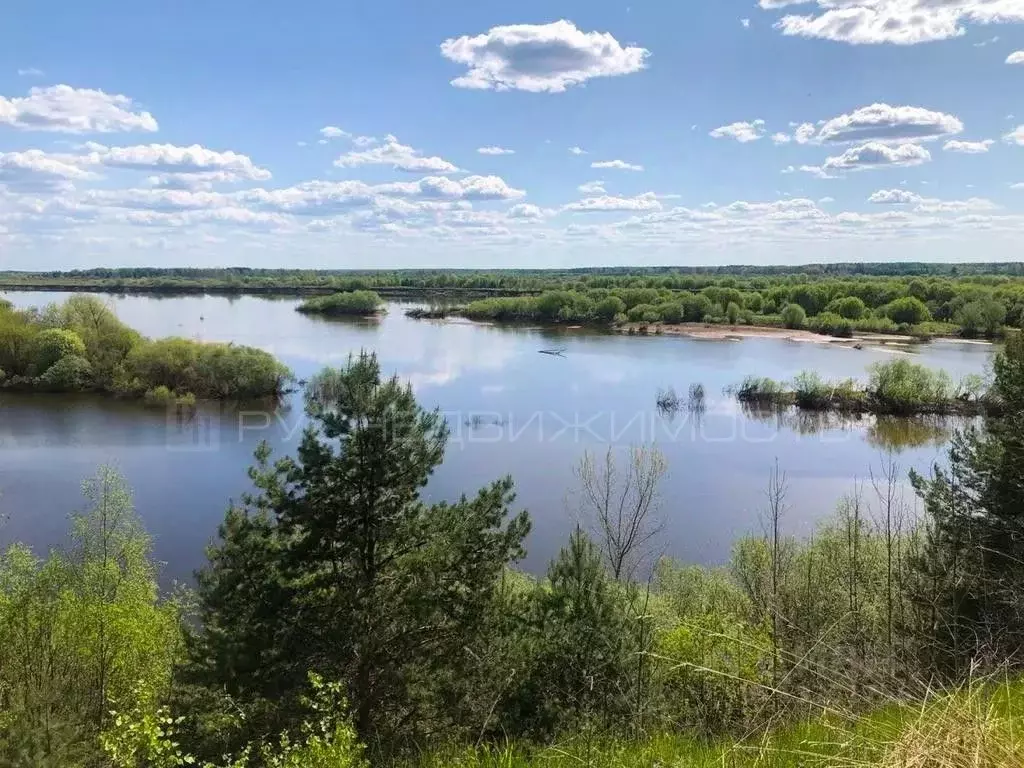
(969, 571)
(367, 584)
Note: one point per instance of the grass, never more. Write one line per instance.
(980, 725)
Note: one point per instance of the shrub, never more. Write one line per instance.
(732, 313)
(349, 303)
(982, 316)
(794, 316)
(901, 386)
(607, 309)
(832, 324)
(55, 343)
(671, 313)
(159, 397)
(761, 389)
(70, 373)
(907, 310)
(641, 311)
(850, 307)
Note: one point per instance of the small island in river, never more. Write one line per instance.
(82, 346)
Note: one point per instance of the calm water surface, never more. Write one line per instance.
(510, 409)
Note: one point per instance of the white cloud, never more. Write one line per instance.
(36, 171)
(745, 23)
(592, 188)
(525, 211)
(577, 151)
(619, 165)
(882, 122)
(1017, 57)
(788, 169)
(898, 22)
(63, 109)
(968, 147)
(495, 151)
(30, 72)
(539, 57)
(217, 166)
(742, 132)
(894, 197)
(645, 202)
(333, 132)
(397, 155)
(1016, 136)
(877, 155)
(826, 200)
(781, 138)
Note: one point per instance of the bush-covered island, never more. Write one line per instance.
(81, 346)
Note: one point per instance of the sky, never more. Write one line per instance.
(493, 134)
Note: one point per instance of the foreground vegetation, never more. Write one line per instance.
(897, 387)
(343, 619)
(835, 299)
(81, 346)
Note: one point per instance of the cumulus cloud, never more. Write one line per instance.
(894, 197)
(745, 23)
(495, 151)
(398, 156)
(214, 165)
(897, 22)
(539, 57)
(645, 202)
(1017, 57)
(592, 188)
(63, 109)
(577, 151)
(877, 155)
(968, 147)
(781, 138)
(619, 165)
(333, 132)
(882, 122)
(36, 171)
(742, 131)
(525, 211)
(1016, 136)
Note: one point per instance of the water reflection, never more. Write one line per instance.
(892, 434)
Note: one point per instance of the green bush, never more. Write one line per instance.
(794, 316)
(69, 374)
(983, 316)
(901, 386)
(349, 303)
(849, 307)
(207, 370)
(908, 310)
(53, 344)
(641, 311)
(832, 324)
(606, 309)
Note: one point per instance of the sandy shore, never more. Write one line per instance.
(737, 332)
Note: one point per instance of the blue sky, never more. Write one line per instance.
(338, 135)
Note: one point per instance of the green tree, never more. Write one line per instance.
(377, 588)
(794, 316)
(850, 307)
(81, 630)
(970, 569)
(53, 344)
(907, 310)
(981, 316)
(606, 309)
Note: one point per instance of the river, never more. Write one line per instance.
(511, 411)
